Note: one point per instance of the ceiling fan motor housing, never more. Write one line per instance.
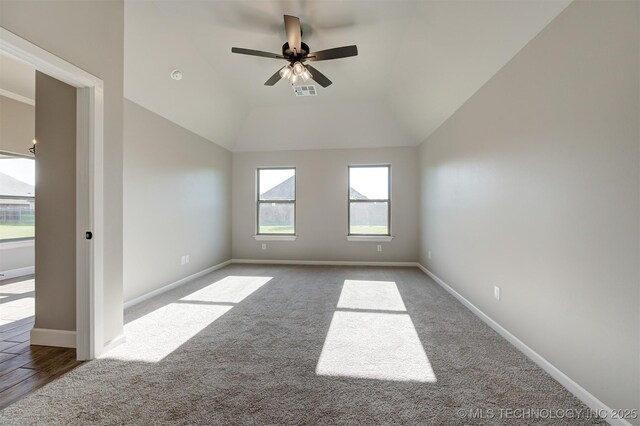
(286, 51)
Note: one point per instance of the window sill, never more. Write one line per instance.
(275, 237)
(370, 238)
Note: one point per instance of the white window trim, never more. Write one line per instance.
(294, 201)
(265, 237)
(370, 238)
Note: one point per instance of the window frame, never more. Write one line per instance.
(388, 200)
(17, 197)
(288, 201)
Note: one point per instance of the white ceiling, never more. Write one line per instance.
(418, 62)
(17, 79)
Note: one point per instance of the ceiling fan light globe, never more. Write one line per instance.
(298, 68)
(306, 75)
(286, 71)
(294, 78)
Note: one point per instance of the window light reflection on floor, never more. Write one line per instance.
(232, 289)
(374, 295)
(15, 309)
(152, 337)
(371, 336)
(21, 287)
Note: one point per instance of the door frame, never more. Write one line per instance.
(89, 186)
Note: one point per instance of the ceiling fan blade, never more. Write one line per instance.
(335, 53)
(294, 33)
(273, 79)
(252, 52)
(318, 77)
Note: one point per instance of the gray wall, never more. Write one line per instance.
(97, 46)
(353, 124)
(17, 126)
(533, 186)
(56, 204)
(321, 209)
(177, 201)
(15, 257)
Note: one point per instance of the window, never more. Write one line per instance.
(369, 200)
(17, 198)
(276, 201)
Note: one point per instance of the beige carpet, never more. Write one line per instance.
(267, 345)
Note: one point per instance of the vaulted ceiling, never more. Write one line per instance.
(418, 62)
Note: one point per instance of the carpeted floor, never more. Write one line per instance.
(271, 345)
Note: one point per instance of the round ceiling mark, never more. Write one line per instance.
(176, 75)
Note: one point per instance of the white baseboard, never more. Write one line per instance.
(19, 272)
(581, 393)
(173, 285)
(50, 337)
(323, 262)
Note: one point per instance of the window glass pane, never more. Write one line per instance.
(18, 176)
(17, 218)
(277, 184)
(369, 183)
(276, 218)
(369, 218)
(17, 202)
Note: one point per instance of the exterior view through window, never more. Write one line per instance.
(369, 200)
(276, 201)
(17, 198)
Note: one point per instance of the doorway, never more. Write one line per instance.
(25, 365)
(87, 337)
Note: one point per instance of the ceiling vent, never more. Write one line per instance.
(305, 90)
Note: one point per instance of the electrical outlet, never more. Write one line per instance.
(496, 292)
(429, 254)
(183, 260)
(187, 258)
(264, 246)
(379, 247)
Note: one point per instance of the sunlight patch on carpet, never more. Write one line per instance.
(371, 295)
(232, 289)
(373, 345)
(157, 334)
(154, 336)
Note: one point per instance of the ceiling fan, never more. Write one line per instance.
(297, 53)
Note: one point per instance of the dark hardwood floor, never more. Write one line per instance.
(25, 367)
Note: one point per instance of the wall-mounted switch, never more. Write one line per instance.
(496, 292)
(379, 247)
(429, 254)
(264, 246)
(186, 258)
(183, 260)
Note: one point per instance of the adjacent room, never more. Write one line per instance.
(445, 230)
(29, 358)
